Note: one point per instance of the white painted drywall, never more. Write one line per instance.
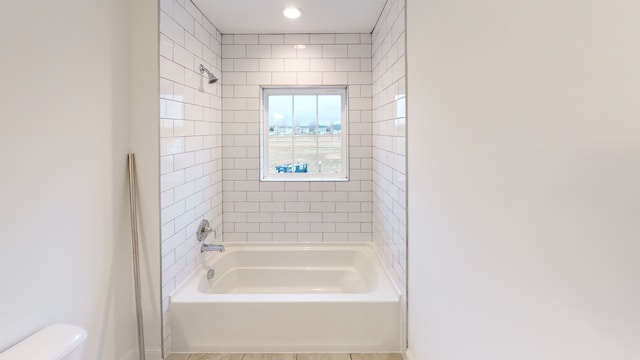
(145, 144)
(524, 179)
(65, 248)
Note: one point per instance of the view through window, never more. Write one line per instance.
(304, 133)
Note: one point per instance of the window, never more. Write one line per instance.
(304, 133)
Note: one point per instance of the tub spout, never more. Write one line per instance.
(211, 247)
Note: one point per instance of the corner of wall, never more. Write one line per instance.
(190, 124)
(389, 141)
(144, 143)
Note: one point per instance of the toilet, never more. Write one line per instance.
(54, 342)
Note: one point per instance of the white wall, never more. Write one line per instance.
(294, 211)
(65, 248)
(144, 142)
(190, 140)
(524, 196)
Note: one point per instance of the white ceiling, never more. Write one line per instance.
(318, 16)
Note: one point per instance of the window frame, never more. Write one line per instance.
(265, 92)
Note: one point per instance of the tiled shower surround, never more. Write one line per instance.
(294, 211)
(389, 140)
(210, 137)
(190, 143)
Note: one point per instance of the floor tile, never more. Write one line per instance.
(269, 357)
(178, 357)
(324, 357)
(376, 356)
(216, 357)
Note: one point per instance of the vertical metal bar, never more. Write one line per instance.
(293, 130)
(136, 255)
(317, 135)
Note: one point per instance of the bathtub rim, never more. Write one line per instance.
(386, 291)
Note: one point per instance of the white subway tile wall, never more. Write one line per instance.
(191, 141)
(210, 139)
(257, 211)
(389, 138)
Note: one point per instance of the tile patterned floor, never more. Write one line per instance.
(285, 357)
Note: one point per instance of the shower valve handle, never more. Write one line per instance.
(204, 229)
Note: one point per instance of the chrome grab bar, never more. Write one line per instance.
(136, 255)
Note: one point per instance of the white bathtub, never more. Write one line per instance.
(288, 298)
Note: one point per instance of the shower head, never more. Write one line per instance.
(212, 78)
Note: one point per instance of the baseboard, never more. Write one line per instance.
(408, 355)
(150, 354)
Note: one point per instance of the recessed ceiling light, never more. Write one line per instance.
(291, 12)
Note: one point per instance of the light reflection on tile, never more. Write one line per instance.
(170, 146)
(166, 128)
(175, 110)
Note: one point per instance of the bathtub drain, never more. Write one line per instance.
(210, 274)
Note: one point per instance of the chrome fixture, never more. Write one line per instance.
(204, 229)
(212, 78)
(211, 247)
(133, 196)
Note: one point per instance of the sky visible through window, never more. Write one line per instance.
(281, 110)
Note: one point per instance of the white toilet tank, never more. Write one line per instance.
(54, 342)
